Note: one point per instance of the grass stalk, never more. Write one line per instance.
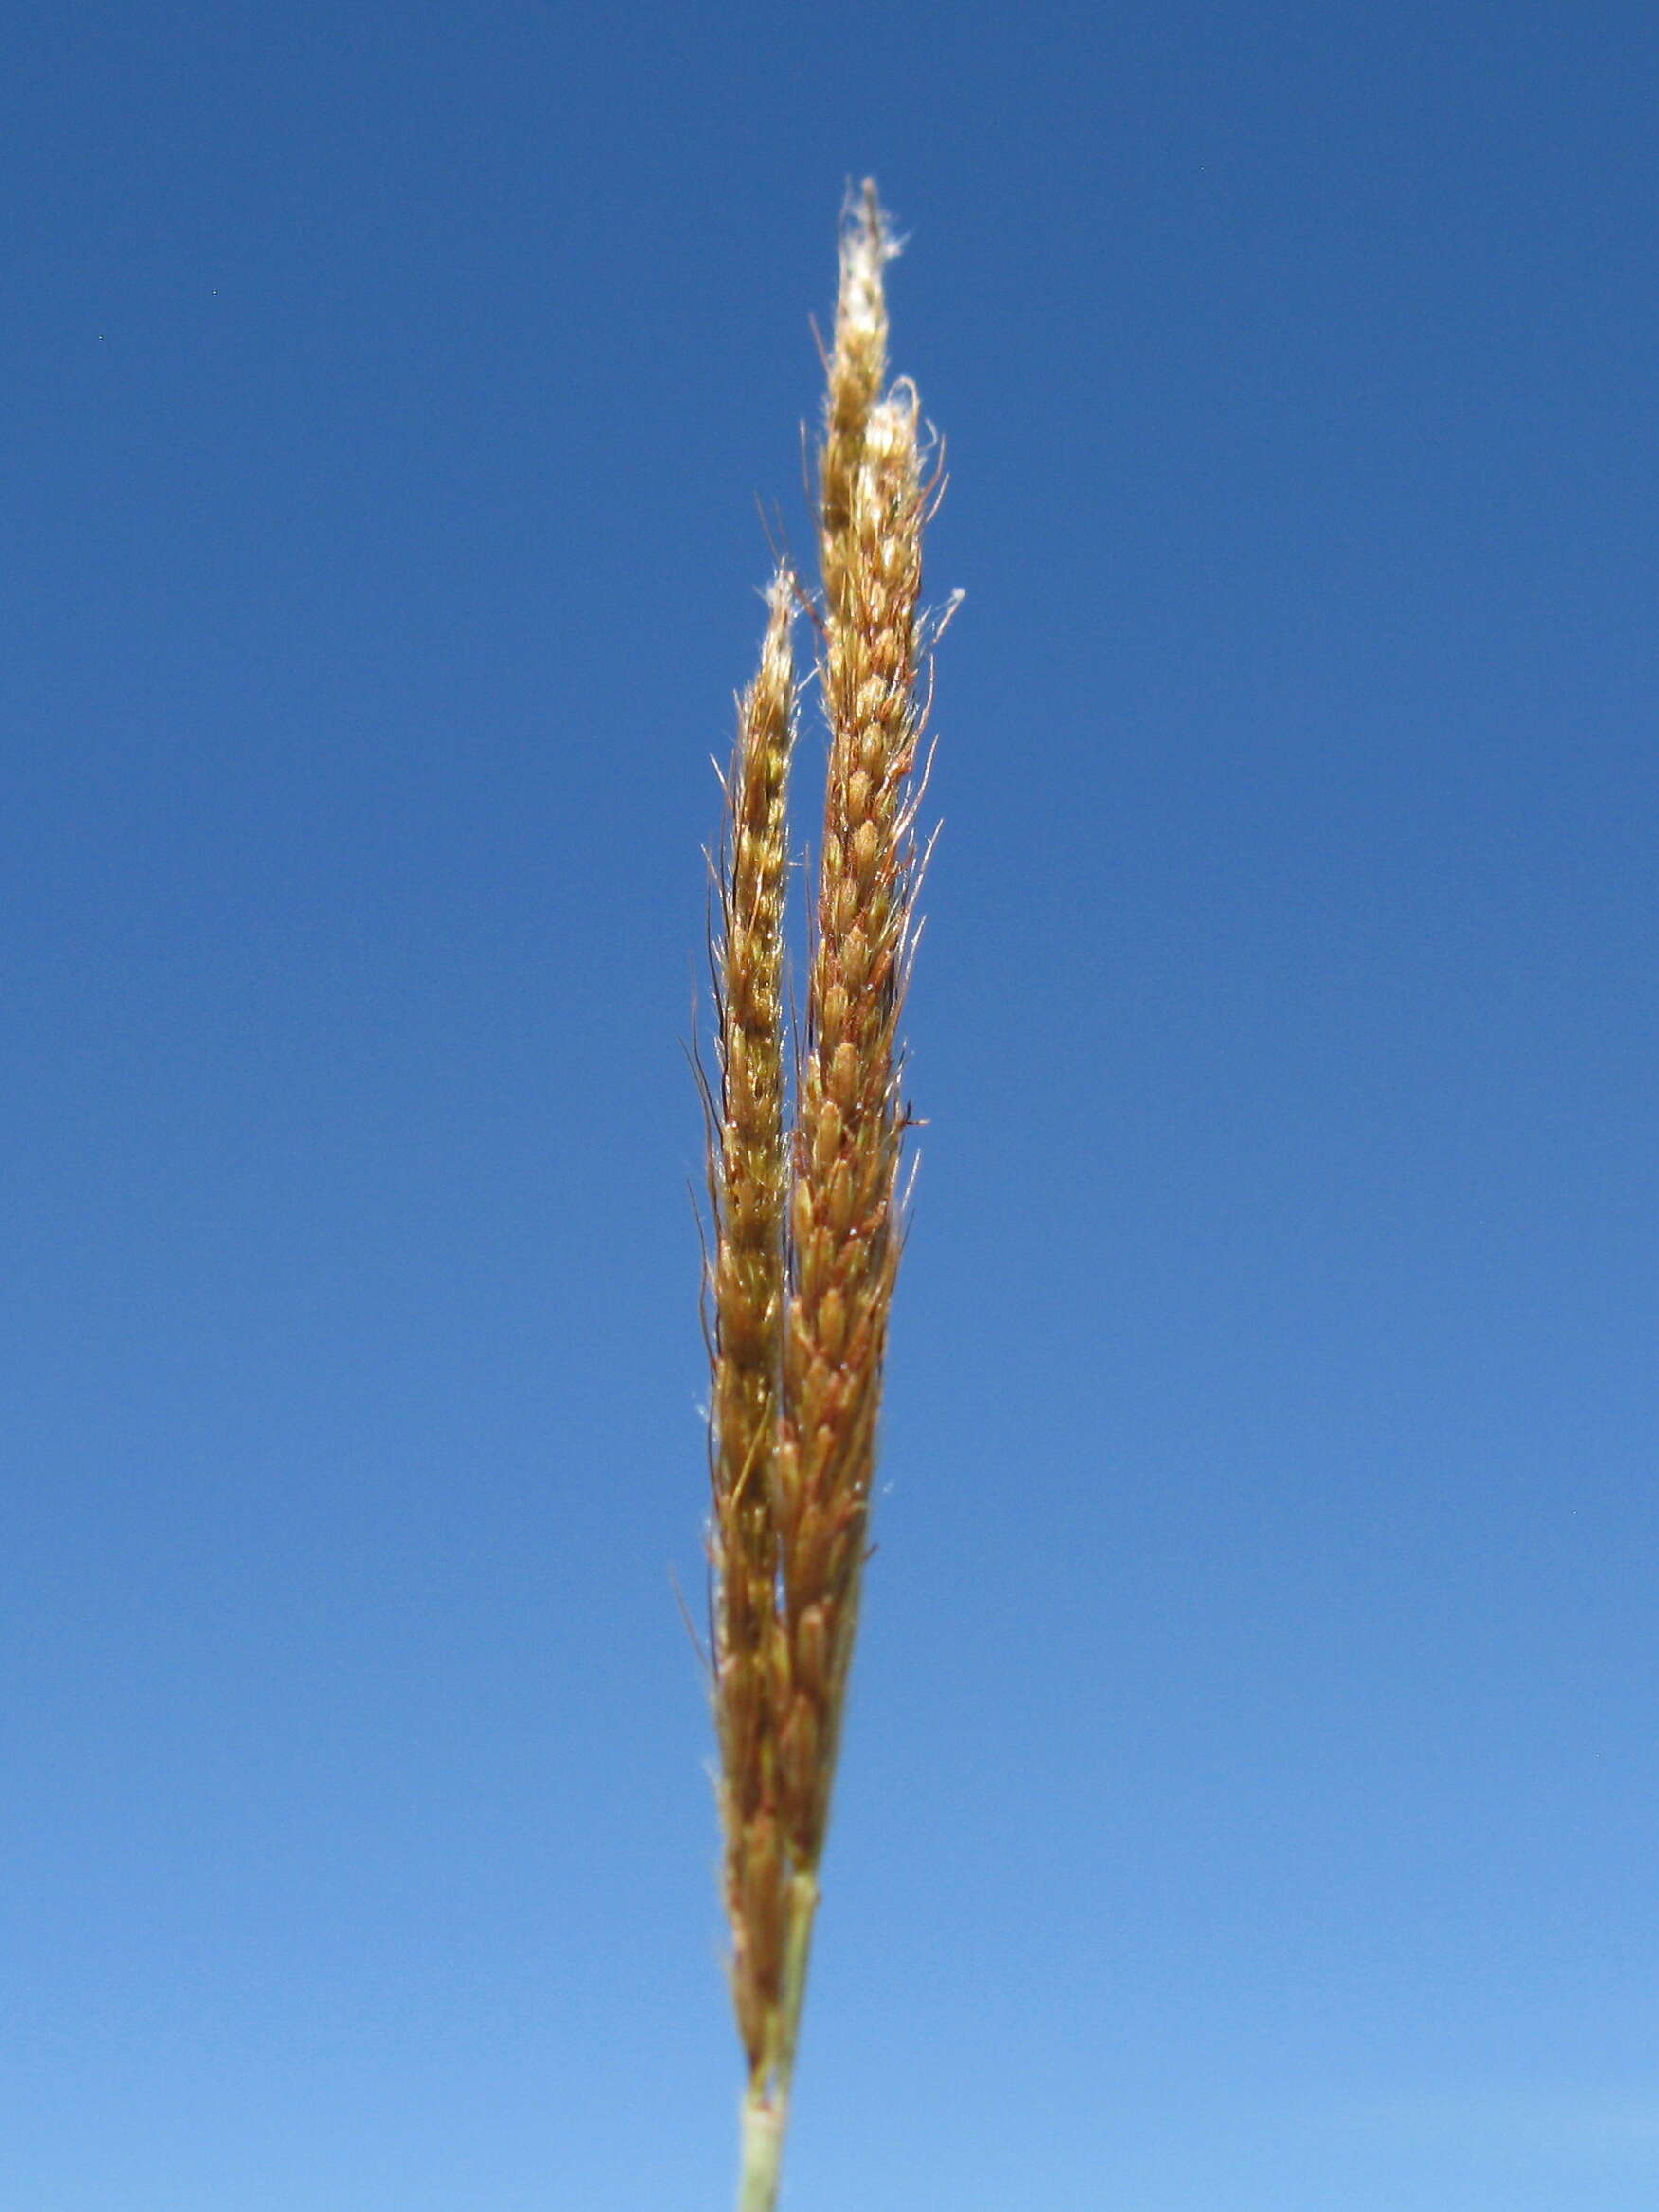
(766, 2104)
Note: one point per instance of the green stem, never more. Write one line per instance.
(765, 2107)
(762, 2153)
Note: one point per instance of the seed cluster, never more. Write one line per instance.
(749, 1194)
(806, 1219)
(847, 1140)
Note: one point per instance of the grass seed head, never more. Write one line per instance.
(749, 1196)
(806, 1213)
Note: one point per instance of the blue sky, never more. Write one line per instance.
(1249, 1796)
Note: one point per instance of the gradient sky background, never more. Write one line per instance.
(1251, 1798)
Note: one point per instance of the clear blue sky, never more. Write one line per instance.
(1251, 1798)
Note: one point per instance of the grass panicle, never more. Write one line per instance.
(749, 1197)
(844, 1189)
(807, 1218)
